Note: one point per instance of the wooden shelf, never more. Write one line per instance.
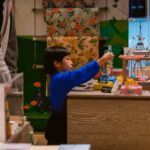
(38, 9)
(103, 8)
(39, 38)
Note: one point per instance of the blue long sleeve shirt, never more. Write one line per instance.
(62, 82)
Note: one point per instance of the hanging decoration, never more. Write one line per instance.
(72, 22)
(38, 104)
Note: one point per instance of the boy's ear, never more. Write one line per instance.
(57, 64)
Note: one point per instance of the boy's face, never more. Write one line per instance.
(67, 63)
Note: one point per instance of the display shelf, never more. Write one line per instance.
(14, 127)
(40, 38)
(15, 98)
(135, 58)
(104, 8)
(38, 9)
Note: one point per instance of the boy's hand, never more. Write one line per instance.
(107, 56)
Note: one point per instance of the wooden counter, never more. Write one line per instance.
(109, 122)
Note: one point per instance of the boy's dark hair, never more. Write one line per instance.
(54, 53)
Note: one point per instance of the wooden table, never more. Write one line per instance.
(108, 121)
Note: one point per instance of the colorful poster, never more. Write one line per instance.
(72, 22)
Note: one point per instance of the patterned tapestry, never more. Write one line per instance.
(83, 49)
(72, 22)
(67, 3)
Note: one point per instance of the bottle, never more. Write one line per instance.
(109, 64)
(109, 48)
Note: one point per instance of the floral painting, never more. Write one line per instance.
(67, 3)
(83, 49)
(38, 104)
(72, 22)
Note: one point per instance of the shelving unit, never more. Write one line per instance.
(14, 128)
(125, 65)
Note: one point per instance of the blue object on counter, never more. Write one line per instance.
(105, 78)
(112, 78)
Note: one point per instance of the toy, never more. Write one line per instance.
(105, 82)
(131, 87)
(100, 85)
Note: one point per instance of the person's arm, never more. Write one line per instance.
(84, 73)
(63, 82)
(78, 76)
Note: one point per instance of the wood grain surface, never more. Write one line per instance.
(107, 123)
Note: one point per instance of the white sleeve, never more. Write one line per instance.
(5, 75)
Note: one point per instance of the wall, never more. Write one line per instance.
(25, 17)
(120, 12)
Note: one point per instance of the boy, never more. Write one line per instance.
(58, 65)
